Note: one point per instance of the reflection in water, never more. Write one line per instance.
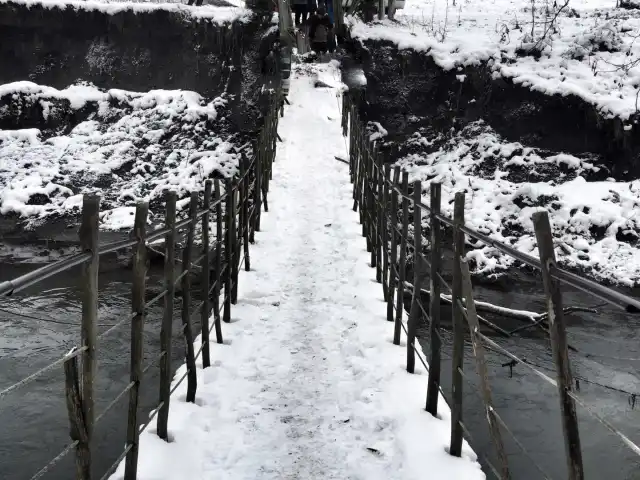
(41, 325)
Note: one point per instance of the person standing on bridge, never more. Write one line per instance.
(320, 30)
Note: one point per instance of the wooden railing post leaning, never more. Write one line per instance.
(205, 278)
(137, 338)
(403, 259)
(457, 361)
(559, 345)
(393, 226)
(166, 330)
(481, 365)
(414, 313)
(89, 280)
(192, 378)
(433, 383)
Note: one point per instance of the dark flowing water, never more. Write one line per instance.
(38, 327)
(608, 353)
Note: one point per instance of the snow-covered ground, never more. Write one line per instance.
(595, 223)
(587, 48)
(232, 10)
(131, 146)
(309, 385)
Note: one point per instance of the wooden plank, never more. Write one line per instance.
(77, 427)
(166, 330)
(433, 383)
(228, 248)
(403, 259)
(393, 261)
(483, 373)
(457, 361)
(205, 279)
(187, 254)
(559, 346)
(415, 313)
(89, 284)
(137, 337)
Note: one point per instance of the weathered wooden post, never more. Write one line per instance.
(483, 374)
(559, 345)
(245, 215)
(257, 199)
(457, 361)
(218, 267)
(89, 282)
(384, 226)
(433, 384)
(403, 259)
(205, 278)
(75, 410)
(379, 212)
(380, 9)
(393, 226)
(228, 248)
(192, 378)
(166, 372)
(415, 313)
(137, 337)
(235, 245)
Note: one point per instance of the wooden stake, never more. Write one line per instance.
(415, 312)
(433, 384)
(78, 427)
(457, 361)
(137, 337)
(192, 379)
(559, 345)
(403, 259)
(206, 277)
(218, 261)
(393, 261)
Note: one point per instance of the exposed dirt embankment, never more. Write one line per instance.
(513, 151)
(137, 51)
(402, 83)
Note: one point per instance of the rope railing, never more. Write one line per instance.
(234, 206)
(384, 198)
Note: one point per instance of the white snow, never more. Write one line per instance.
(310, 385)
(211, 13)
(595, 223)
(133, 146)
(591, 51)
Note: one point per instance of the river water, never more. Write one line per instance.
(42, 324)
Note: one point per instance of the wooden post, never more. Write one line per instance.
(75, 410)
(393, 225)
(379, 207)
(192, 379)
(89, 282)
(433, 384)
(384, 226)
(166, 372)
(481, 365)
(457, 361)
(415, 313)
(245, 216)
(206, 277)
(228, 249)
(235, 245)
(380, 9)
(218, 266)
(559, 345)
(366, 202)
(137, 337)
(403, 259)
(257, 198)
(265, 173)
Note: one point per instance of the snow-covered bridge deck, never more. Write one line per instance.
(309, 384)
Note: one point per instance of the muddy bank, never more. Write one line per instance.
(408, 91)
